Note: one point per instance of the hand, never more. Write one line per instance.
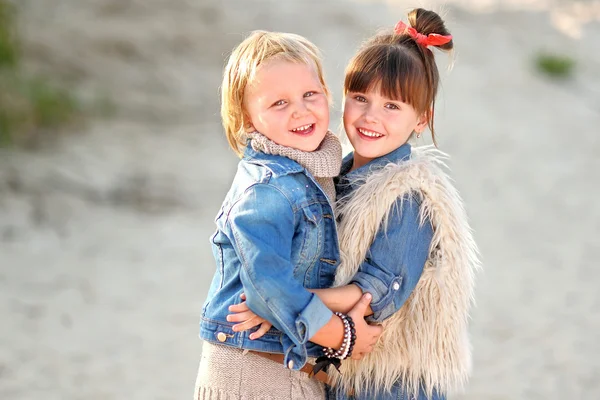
(366, 335)
(248, 319)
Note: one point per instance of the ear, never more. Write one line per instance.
(248, 126)
(422, 122)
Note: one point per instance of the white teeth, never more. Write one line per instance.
(369, 133)
(302, 128)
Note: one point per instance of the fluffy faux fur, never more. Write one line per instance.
(425, 342)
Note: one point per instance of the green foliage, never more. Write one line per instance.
(555, 66)
(29, 107)
(33, 108)
(51, 106)
(8, 42)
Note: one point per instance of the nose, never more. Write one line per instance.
(300, 110)
(370, 115)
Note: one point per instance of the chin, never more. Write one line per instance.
(310, 148)
(315, 142)
(367, 152)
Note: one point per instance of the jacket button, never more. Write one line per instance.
(221, 337)
(396, 286)
(291, 364)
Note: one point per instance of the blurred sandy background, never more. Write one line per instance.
(104, 252)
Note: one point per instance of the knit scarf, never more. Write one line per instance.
(324, 163)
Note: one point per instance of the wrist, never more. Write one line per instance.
(349, 339)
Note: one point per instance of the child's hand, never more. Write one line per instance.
(366, 335)
(247, 319)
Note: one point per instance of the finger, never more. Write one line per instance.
(243, 296)
(238, 308)
(249, 324)
(240, 317)
(264, 327)
(360, 307)
(376, 331)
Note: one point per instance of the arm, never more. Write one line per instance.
(404, 241)
(262, 228)
(262, 232)
(391, 271)
(366, 335)
(341, 298)
(396, 259)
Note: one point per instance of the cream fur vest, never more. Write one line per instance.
(425, 342)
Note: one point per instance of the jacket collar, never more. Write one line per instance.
(344, 183)
(400, 154)
(278, 165)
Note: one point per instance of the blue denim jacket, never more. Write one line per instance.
(396, 258)
(276, 237)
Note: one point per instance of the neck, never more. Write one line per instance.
(323, 162)
(359, 161)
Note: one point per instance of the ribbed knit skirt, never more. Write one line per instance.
(226, 373)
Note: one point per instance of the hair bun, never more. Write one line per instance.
(427, 22)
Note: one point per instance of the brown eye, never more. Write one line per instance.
(279, 103)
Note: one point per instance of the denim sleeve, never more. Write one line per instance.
(262, 224)
(396, 258)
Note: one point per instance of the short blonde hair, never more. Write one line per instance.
(241, 68)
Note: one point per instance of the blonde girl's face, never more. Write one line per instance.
(287, 103)
(377, 125)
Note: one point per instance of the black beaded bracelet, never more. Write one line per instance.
(352, 336)
(333, 357)
(348, 342)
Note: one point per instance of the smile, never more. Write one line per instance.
(304, 129)
(368, 133)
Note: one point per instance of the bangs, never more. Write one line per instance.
(396, 73)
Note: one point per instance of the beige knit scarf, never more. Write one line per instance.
(324, 163)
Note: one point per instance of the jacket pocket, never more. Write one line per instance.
(327, 268)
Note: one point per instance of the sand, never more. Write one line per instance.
(104, 252)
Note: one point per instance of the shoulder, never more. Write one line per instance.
(260, 186)
(408, 211)
(424, 172)
(429, 162)
(268, 169)
(276, 165)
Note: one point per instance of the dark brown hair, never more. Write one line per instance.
(403, 69)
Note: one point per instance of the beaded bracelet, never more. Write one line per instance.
(345, 350)
(333, 357)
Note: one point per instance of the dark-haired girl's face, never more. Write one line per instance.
(377, 125)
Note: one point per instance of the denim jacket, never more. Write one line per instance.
(276, 237)
(395, 259)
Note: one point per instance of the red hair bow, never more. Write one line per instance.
(433, 39)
